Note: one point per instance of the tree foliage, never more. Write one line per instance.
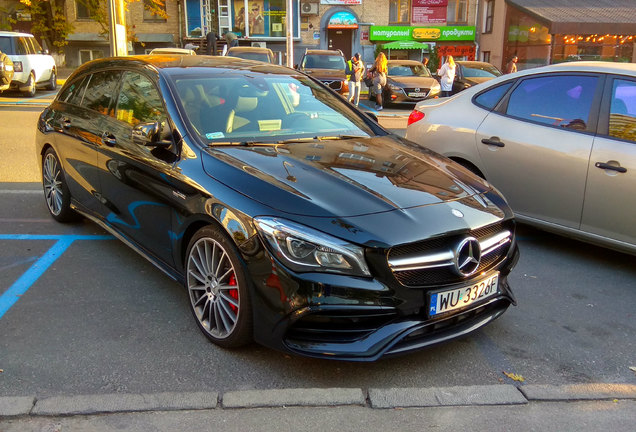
(50, 22)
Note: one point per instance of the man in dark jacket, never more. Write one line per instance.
(210, 47)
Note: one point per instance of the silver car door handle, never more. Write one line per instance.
(607, 166)
(493, 141)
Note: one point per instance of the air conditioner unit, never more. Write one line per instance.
(259, 44)
(308, 8)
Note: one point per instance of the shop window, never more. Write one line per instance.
(154, 11)
(457, 11)
(562, 101)
(265, 18)
(622, 117)
(399, 11)
(489, 11)
(82, 11)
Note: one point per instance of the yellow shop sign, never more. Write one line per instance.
(426, 33)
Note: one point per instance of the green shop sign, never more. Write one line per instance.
(445, 33)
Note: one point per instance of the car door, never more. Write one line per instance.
(536, 145)
(136, 179)
(78, 110)
(611, 181)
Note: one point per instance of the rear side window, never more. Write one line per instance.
(490, 98)
(622, 117)
(73, 93)
(6, 46)
(560, 100)
(100, 91)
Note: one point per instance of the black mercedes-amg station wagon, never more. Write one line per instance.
(290, 217)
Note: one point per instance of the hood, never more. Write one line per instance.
(341, 178)
(409, 81)
(477, 80)
(326, 73)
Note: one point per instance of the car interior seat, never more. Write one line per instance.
(242, 114)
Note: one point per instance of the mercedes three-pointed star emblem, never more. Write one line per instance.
(467, 256)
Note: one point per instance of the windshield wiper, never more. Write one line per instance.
(239, 143)
(320, 138)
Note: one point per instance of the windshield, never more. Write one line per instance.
(246, 107)
(324, 62)
(409, 70)
(480, 71)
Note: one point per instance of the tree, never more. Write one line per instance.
(50, 23)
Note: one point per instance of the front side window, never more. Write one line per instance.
(23, 47)
(74, 92)
(139, 101)
(622, 116)
(99, 93)
(558, 100)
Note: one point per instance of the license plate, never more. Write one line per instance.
(417, 94)
(445, 301)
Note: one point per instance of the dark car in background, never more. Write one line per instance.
(290, 217)
(327, 66)
(470, 73)
(408, 82)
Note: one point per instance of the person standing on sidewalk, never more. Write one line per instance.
(447, 76)
(378, 75)
(357, 72)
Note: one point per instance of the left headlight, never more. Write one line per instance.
(395, 88)
(304, 249)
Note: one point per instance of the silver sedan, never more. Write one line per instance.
(558, 141)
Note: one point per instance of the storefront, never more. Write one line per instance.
(458, 41)
(541, 36)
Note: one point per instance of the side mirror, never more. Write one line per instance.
(149, 135)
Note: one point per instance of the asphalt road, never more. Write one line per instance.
(80, 313)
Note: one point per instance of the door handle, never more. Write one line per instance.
(607, 166)
(109, 139)
(66, 123)
(494, 141)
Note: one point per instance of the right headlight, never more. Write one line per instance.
(305, 249)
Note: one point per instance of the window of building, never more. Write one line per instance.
(457, 11)
(154, 11)
(399, 11)
(562, 100)
(485, 56)
(264, 18)
(489, 11)
(88, 55)
(82, 11)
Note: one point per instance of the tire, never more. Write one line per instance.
(56, 193)
(31, 86)
(218, 289)
(52, 84)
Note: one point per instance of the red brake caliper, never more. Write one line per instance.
(233, 292)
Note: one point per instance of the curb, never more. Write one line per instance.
(480, 395)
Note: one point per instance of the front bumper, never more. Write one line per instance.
(357, 319)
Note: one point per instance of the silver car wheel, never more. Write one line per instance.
(213, 288)
(51, 176)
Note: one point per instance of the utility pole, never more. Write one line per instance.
(118, 41)
(290, 35)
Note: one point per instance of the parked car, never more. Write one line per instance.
(290, 216)
(6, 71)
(32, 66)
(252, 53)
(327, 66)
(172, 50)
(558, 141)
(470, 73)
(408, 82)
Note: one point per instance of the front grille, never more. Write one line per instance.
(432, 262)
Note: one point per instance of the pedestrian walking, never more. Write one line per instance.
(357, 73)
(447, 76)
(378, 78)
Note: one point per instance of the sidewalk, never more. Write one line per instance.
(504, 407)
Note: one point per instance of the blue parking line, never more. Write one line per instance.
(22, 285)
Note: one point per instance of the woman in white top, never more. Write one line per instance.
(446, 76)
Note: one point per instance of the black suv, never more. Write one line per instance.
(327, 66)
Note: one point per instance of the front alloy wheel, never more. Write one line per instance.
(217, 289)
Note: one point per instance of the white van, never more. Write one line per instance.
(32, 66)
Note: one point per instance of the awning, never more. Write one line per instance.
(155, 37)
(582, 16)
(406, 45)
(342, 20)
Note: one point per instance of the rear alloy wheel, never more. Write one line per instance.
(217, 288)
(30, 85)
(52, 84)
(56, 193)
